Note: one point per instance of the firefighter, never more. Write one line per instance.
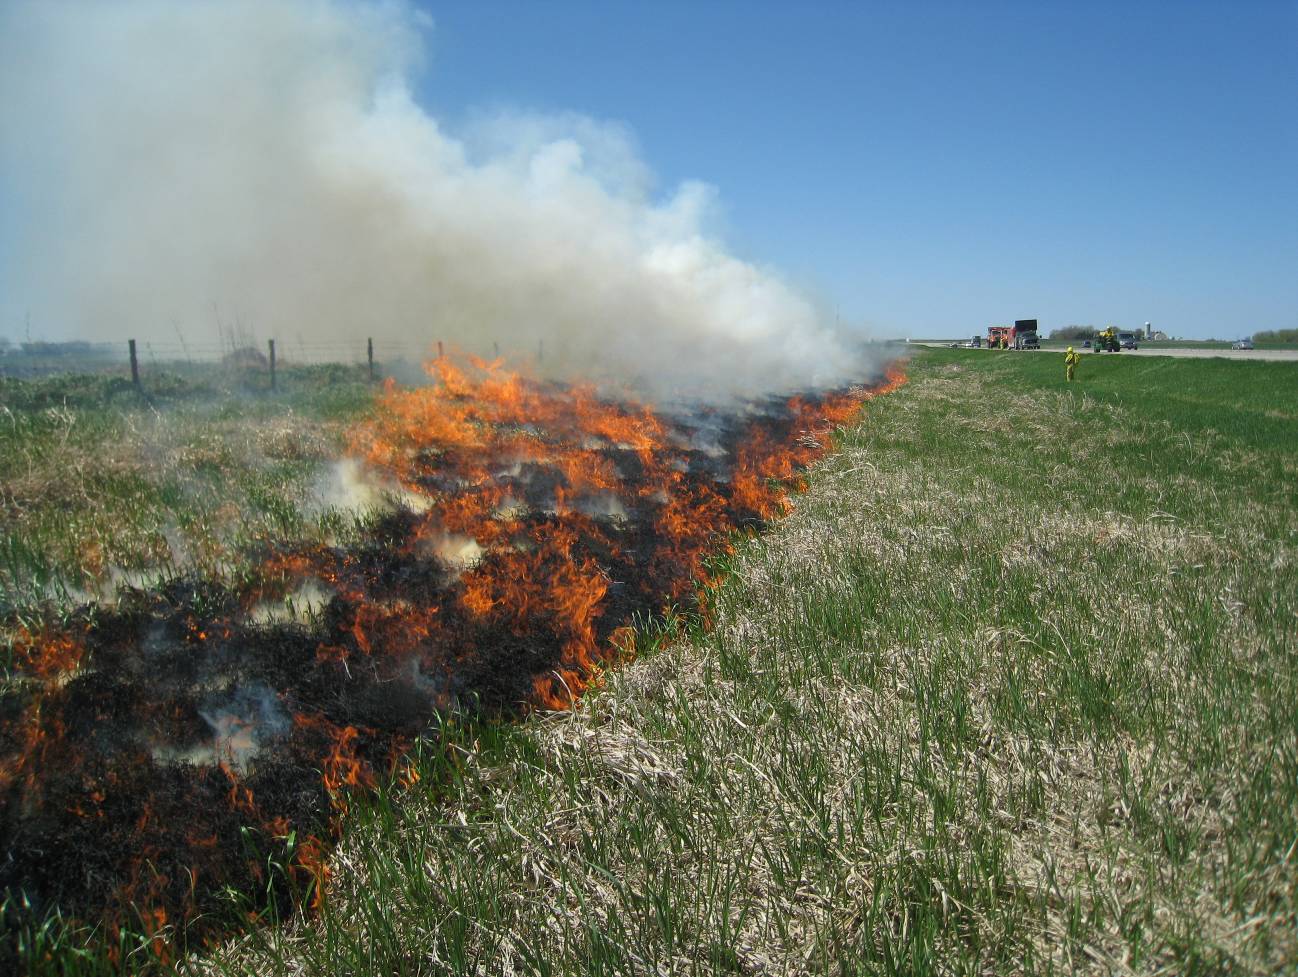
(1071, 360)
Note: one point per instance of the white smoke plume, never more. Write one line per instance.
(162, 160)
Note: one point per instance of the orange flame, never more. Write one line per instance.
(550, 518)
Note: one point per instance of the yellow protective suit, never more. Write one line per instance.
(1071, 359)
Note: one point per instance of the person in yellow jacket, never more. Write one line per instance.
(1071, 359)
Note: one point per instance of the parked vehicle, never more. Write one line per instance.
(1106, 340)
(1021, 335)
(1000, 337)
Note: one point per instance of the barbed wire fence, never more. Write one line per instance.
(137, 359)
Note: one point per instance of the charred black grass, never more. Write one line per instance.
(129, 839)
(1010, 692)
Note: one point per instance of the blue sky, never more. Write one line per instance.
(932, 168)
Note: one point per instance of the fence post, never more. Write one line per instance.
(135, 365)
(271, 343)
(439, 349)
(369, 353)
(496, 350)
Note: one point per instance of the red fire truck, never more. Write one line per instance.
(1021, 335)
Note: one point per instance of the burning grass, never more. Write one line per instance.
(970, 709)
(183, 743)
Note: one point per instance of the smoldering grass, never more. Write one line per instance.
(1010, 692)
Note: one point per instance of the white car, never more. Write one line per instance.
(1242, 344)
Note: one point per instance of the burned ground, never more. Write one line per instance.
(928, 731)
(165, 749)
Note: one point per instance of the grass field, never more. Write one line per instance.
(101, 485)
(1012, 691)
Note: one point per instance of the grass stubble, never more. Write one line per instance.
(1011, 692)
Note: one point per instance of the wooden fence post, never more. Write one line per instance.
(135, 365)
(369, 353)
(271, 343)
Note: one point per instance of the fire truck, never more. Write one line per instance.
(1021, 335)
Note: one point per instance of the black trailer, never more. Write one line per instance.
(1025, 334)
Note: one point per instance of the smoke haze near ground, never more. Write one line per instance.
(167, 165)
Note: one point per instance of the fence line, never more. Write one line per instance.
(43, 358)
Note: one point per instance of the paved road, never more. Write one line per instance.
(1185, 351)
(1228, 354)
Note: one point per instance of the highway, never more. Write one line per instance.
(1183, 351)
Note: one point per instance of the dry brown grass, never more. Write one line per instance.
(1001, 696)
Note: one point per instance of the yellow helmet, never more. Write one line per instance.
(1070, 349)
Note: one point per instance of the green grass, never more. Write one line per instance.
(1256, 403)
(1011, 692)
(101, 485)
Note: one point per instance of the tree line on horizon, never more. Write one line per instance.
(1276, 336)
(1073, 332)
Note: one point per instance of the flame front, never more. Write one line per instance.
(549, 519)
